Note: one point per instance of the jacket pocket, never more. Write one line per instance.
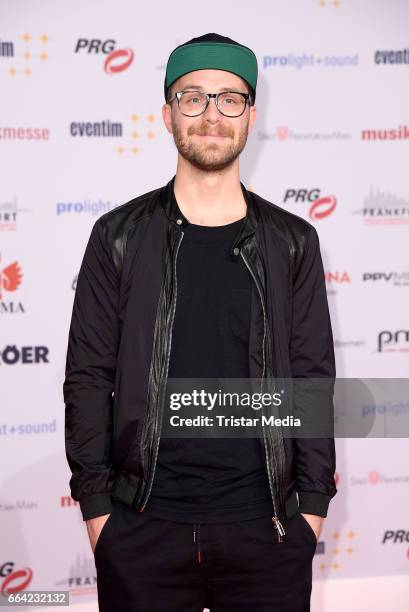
(103, 532)
(309, 528)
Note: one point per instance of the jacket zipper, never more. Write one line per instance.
(277, 524)
(153, 467)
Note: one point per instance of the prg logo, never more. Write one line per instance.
(14, 580)
(396, 536)
(117, 60)
(321, 206)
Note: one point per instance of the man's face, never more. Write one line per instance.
(210, 141)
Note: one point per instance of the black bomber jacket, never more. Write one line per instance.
(120, 339)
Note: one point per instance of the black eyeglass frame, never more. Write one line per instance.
(178, 95)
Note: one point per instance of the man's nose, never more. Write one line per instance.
(212, 112)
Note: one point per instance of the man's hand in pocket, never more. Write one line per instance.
(94, 528)
(316, 523)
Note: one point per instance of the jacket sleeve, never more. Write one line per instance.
(312, 356)
(90, 376)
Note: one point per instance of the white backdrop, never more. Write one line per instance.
(81, 132)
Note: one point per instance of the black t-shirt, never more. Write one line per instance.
(210, 480)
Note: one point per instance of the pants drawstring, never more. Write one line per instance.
(196, 539)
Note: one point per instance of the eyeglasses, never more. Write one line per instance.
(194, 103)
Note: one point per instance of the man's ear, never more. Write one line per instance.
(253, 116)
(166, 114)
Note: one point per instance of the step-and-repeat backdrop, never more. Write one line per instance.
(81, 132)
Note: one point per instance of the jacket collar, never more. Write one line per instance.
(175, 215)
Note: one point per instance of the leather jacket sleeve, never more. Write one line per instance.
(90, 376)
(312, 356)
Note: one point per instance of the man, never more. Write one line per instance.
(198, 279)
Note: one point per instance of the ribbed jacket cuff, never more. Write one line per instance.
(313, 503)
(95, 505)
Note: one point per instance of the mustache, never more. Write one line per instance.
(204, 132)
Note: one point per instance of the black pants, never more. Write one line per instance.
(151, 565)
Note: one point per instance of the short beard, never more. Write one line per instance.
(210, 157)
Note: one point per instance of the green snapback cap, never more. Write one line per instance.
(212, 51)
